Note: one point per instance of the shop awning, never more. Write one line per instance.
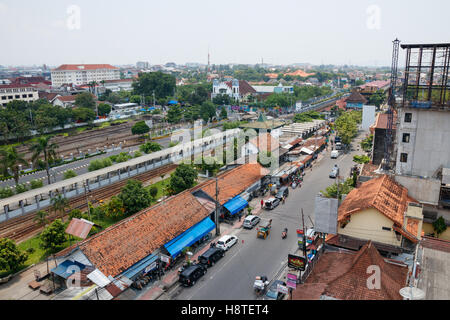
(67, 268)
(189, 237)
(141, 266)
(235, 205)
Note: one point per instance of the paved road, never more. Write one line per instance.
(232, 278)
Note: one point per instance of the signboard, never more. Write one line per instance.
(291, 284)
(296, 262)
(150, 267)
(165, 259)
(291, 281)
(282, 289)
(325, 214)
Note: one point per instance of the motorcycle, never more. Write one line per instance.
(284, 233)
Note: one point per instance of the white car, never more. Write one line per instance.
(334, 154)
(226, 242)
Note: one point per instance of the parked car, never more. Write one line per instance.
(283, 192)
(226, 242)
(337, 139)
(273, 293)
(191, 274)
(334, 173)
(339, 146)
(272, 203)
(251, 221)
(334, 154)
(210, 257)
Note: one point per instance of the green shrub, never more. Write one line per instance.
(36, 184)
(69, 174)
(75, 213)
(21, 188)
(6, 193)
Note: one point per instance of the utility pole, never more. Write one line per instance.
(87, 202)
(304, 238)
(217, 208)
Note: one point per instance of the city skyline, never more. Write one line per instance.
(359, 33)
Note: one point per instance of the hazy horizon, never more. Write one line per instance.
(358, 33)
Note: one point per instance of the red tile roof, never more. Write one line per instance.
(436, 244)
(383, 194)
(265, 142)
(77, 67)
(119, 247)
(67, 98)
(356, 97)
(352, 285)
(79, 228)
(234, 182)
(244, 87)
(382, 121)
(12, 86)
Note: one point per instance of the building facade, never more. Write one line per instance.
(83, 74)
(11, 92)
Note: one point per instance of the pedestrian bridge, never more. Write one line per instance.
(37, 199)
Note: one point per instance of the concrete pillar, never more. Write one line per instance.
(38, 205)
(64, 191)
(118, 173)
(109, 177)
(146, 165)
(6, 209)
(76, 188)
(99, 180)
(22, 207)
(128, 171)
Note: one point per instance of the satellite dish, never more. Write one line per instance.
(410, 293)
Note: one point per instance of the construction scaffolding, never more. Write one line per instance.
(426, 82)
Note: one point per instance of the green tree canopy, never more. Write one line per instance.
(11, 258)
(84, 114)
(183, 178)
(44, 146)
(134, 197)
(104, 109)
(53, 236)
(150, 147)
(85, 100)
(174, 114)
(12, 160)
(163, 85)
(140, 128)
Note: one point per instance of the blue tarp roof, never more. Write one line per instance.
(67, 268)
(140, 266)
(235, 205)
(173, 102)
(189, 237)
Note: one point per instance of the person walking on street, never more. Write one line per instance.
(284, 199)
(262, 203)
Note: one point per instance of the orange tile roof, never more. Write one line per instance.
(383, 194)
(299, 73)
(235, 181)
(352, 285)
(80, 67)
(119, 247)
(265, 142)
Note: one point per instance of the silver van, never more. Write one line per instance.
(250, 222)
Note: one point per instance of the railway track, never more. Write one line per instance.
(22, 228)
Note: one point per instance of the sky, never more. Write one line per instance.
(356, 32)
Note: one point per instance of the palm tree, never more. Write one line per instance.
(60, 204)
(43, 146)
(11, 159)
(41, 217)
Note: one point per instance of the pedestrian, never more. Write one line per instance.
(284, 199)
(262, 203)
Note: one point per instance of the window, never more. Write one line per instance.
(408, 117)
(24, 96)
(406, 137)
(386, 229)
(404, 157)
(17, 96)
(30, 96)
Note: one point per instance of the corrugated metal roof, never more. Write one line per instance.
(98, 278)
(79, 228)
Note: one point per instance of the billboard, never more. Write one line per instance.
(325, 215)
(296, 262)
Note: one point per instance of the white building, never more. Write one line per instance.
(79, 74)
(21, 92)
(237, 89)
(118, 85)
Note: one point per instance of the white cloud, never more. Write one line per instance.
(3, 8)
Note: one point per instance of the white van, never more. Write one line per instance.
(250, 222)
(334, 154)
(226, 242)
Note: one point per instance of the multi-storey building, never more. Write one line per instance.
(22, 92)
(423, 129)
(79, 74)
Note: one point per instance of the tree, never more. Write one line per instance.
(347, 126)
(36, 184)
(208, 111)
(182, 179)
(210, 165)
(278, 100)
(44, 147)
(12, 160)
(377, 98)
(53, 236)
(75, 213)
(367, 143)
(140, 128)
(361, 159)
(307, 116)
(84, 114)
(41, 218)
(104, 109)
(85, 100)
(223, 113)
(150, 147)
(344, 188)
(439, 226)
(174, 114)
(222, 100)
(153, 191)
(69, 174)
(60, 204)
(134, 197)
(115, 208)
(163, 85)
(11, 258)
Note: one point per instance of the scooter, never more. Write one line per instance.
(284, 234)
